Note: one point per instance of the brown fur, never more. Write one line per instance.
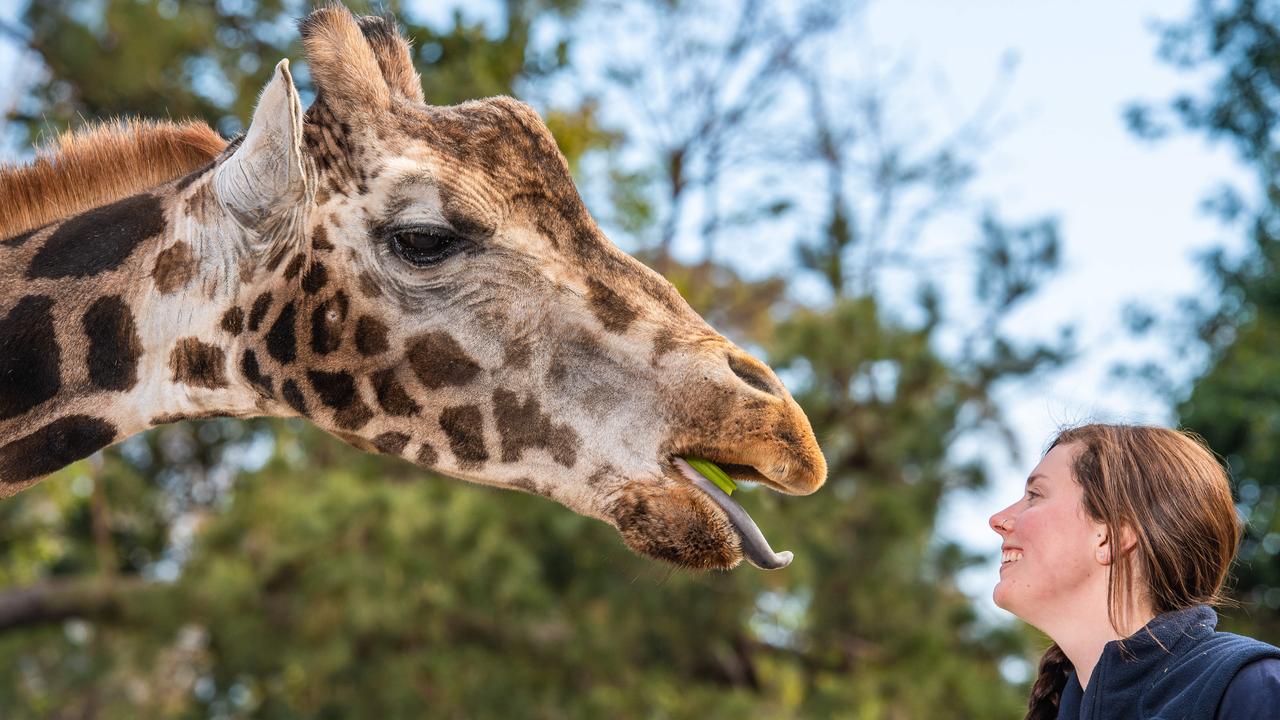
(343, 61)
(174, 268)
(394, 59)
(99, 164)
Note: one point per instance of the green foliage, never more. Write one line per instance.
(386, 596)
(885, 611)
(261, 569)
(1234, 402)
(208, 59)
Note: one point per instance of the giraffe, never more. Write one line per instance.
(420, 281)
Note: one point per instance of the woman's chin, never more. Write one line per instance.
(1000, 596)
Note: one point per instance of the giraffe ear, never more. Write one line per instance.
(394, 59)
(267, 171)
(343, 65)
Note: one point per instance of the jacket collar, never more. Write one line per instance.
(1125, 663)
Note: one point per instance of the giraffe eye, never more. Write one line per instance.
(423, 247)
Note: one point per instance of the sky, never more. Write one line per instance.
(1127, 209)
(1131, 230)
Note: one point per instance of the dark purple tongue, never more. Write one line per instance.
(754, 547)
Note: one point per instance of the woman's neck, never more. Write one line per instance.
(1084, 633)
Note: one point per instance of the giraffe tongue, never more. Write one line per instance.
(754, 547)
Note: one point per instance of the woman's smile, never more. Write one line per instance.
(1009, 555)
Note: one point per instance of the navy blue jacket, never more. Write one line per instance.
(1184, 680)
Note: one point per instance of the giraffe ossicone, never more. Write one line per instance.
(420, 281)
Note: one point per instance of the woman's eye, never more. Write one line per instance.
(423, 247)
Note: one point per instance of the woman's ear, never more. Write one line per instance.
(1104, 548)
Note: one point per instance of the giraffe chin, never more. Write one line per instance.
(754, 545)
(686, 523)
(676, 523)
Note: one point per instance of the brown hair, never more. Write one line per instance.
(1169, 489)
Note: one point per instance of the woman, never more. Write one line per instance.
(1119, 545)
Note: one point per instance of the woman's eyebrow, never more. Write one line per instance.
(1033, 478)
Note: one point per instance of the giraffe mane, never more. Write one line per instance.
(98, 164)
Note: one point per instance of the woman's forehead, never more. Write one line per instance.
(1056, 464)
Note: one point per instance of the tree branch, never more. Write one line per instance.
(52, 601)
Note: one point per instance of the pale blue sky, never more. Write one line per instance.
(1130, 224)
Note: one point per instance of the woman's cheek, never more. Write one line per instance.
(1036, 570)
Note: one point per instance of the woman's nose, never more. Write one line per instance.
(1001, 522)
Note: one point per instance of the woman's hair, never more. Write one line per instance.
(1170, 491)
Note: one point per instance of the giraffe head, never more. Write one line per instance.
(426, 282)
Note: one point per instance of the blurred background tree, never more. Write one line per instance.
(263, 569)
(1234, 402)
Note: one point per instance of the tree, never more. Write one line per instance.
(263, 570)
(875, 623)
(1234, 401)
(208, 60)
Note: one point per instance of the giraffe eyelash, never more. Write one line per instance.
(424, 246)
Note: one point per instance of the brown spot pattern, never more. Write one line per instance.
(294, 267)
(523, 425)
(53, 446)
(663, 343)
(181, 417)
(439, 361)
(338, 391)
(114, 345)
(253, 373)
(464, 426)
(29, 356)
(329, 143)
(391, 443)
(174, 268)
(258, 312)
(281, 339)
(276, 257)
(313, 281)
(580, 351)
(611, 309)
(320, 239)
(233, 321)
(427, 455)
(98, 240)
(354, 416)
(518, 353)
(369, 287)
(371, 336)
(602, 473)
(196, 363)
(391, 394)
(327, 321)
(293, 395)
(202, 204)
(527, 485)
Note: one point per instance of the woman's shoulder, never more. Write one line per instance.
(1241, 648)
(1197, 680)
(1254, 691)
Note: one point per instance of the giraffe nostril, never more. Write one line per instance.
(752, 376)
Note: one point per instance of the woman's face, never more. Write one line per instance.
(1050, 555)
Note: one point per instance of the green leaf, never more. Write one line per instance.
(712, 472)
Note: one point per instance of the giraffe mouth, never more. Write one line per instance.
(755, 548)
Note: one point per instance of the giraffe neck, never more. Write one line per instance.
(116, 320)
